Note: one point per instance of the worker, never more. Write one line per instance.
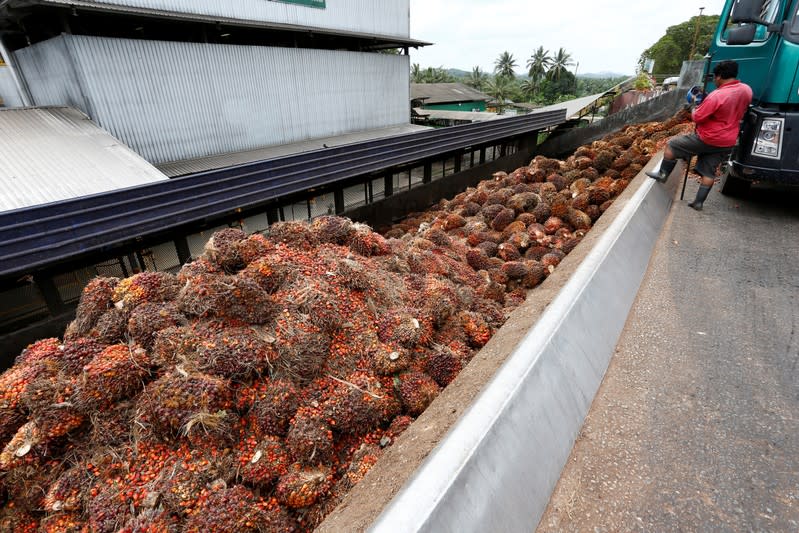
(717, 117)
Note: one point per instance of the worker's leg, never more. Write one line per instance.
(706, 165)
(666, 166)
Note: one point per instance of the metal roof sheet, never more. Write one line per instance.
(57, 153)
(573, 107)
(440, 93)
(471, 116)
(191, 166)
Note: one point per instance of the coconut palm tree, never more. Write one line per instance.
(528, 88)
(477, 78)
(560, 63)
(416, 74)
(500, 88)
(538, 64)
(504, 65)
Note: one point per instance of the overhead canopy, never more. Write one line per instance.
(442, 93)
(57, 153)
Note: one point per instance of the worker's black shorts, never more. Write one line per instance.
(709, 156)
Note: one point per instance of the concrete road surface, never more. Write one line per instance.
(696, 425)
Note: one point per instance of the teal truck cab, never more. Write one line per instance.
(763, 37)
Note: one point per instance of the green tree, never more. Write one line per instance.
(477, 79)
(504, 65)
(416, 74)
(528, 89)
(673, 48)
(501, 88)
(538, 64)
(560, 64)
(554, 90)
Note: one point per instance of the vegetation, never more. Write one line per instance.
(675, 47)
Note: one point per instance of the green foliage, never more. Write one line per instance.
(476, 78)
(538, 64)
(674, 47)
(642, 82)
(430, 75)
(504, 65)
(560, 64)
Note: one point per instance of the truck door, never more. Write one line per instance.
(755, 59)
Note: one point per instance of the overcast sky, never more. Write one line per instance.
(602, 35)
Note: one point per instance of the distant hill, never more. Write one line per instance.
(604, 74)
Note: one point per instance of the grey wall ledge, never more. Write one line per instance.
(497, 467)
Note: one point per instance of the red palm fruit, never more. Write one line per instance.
(359, 403)
(603, 160)
(550, 261)
(116, 373)
(504, 218)
(589, 173)
(535, 253)
(416, 390)
(78, 352)
(198, 267)
(146, 287)
(552, 225)
(303, 486)
(618, 186)
(453, 221)
(441, 299)
(112, 427)
(185, 476)
(579, 186)
(535, 275)
(310, 438)
(151, 521)
(353, 274)
(23, 448)
(621, 162)
(254, 247)
(508, 252)
(111, 327)
(580, 201)
(178, 401)
(578, 219)
(515, 269)
(332, 229)
(222, 249)
(271, 403)
(557, 180)
(442, 364)
(17, 520)
(569, 244)
(526, 219)
(294, 234)
(499, 197)
(235, 353)
(40, 351)
(513, 227)
(95, 299)
(478, 332)
(107, 509)
(69, 491)
(302, 347)
(559, 206)
(598, 195)
(593, 212)
(523, 202)
(367, 243)
(490, 211)
(387, 359)
(399, 326)
(477, 259)
(149, 318)
(519, 240)
(262, 460)
(228, 509)
(438, 237)
(63, 523)
(489, 248)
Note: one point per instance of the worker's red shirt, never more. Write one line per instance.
(719, 114)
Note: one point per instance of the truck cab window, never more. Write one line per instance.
(769, 13)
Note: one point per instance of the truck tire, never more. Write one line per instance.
(733, 186)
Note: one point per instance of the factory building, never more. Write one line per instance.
(177, 80)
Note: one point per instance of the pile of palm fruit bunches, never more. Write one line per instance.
(253, 389)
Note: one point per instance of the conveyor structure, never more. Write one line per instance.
(40, 237)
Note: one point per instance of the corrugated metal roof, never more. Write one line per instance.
(57, 153)
(440, 93)
(470, 116)
(192, 166)
(363, 18)
(573, 107)
(173, 101)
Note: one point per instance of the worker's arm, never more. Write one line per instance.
(704, 110)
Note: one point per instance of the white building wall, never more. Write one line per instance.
(171, 101)
(383, 17)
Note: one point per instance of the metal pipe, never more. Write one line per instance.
(22, 86)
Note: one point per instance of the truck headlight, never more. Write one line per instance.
(769, 139)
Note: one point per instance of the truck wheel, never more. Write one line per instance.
(733, 186)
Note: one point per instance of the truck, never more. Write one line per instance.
(762, 36)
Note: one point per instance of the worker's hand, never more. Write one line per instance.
(695, 96)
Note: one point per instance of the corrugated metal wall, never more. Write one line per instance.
(171, 101)
(384, 17)
(8, 89)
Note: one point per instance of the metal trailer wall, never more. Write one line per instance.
(384, 17)
(171, 101)
(8, 89)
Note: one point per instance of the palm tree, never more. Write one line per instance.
(504, 65)
(477, 78)
(560, 63)
(416, 74)
(500, 88)
(538, 64)
(528, 88)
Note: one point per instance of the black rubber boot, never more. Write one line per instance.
(701, 196)
(666, 166)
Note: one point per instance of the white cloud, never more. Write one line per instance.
(604, 35)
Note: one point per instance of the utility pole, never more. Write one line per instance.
(696, 34)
